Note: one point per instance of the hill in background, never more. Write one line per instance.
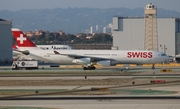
(72, 20)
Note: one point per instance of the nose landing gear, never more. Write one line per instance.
(153, 67)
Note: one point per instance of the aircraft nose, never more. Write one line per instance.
(167, 58)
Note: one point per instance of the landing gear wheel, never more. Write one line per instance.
(93, 68)
(84, 68)
(89, 68)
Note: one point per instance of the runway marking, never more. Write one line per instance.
(76, 88)
(30, 96)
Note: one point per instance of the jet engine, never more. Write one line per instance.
(104, 63)
(82, 61)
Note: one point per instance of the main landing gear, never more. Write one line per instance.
(153, 67)
(89, 67)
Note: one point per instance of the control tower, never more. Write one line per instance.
(150, 28)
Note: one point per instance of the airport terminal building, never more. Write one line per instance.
(128, 34)
(5, 42)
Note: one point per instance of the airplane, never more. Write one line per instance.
(55, 47)
(88, 58)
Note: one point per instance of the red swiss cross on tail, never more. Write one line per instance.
(21, 39)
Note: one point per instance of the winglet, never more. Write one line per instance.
(56, 52)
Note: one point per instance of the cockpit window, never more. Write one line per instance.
(163, 54)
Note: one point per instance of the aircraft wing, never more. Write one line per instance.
(75, 56)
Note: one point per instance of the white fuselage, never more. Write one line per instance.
(115, 56)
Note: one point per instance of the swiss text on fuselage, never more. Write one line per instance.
(139, 55)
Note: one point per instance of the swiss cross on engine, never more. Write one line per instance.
(21, 39)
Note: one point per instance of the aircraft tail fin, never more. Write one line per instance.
(21, 39)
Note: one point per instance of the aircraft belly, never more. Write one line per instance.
(125, 60)
(133, 61)
(67, 62)
(64, 60)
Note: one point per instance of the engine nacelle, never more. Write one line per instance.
(104, 63)
(82, 61)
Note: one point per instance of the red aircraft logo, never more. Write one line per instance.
(21, 39)
(139, 54)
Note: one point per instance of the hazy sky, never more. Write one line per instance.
(14, 5)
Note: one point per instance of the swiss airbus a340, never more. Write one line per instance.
(88, 58)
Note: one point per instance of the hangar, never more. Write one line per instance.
(128, 34)
(5, 42)
(147, 33)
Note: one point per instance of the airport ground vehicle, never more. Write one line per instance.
(28, 65)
